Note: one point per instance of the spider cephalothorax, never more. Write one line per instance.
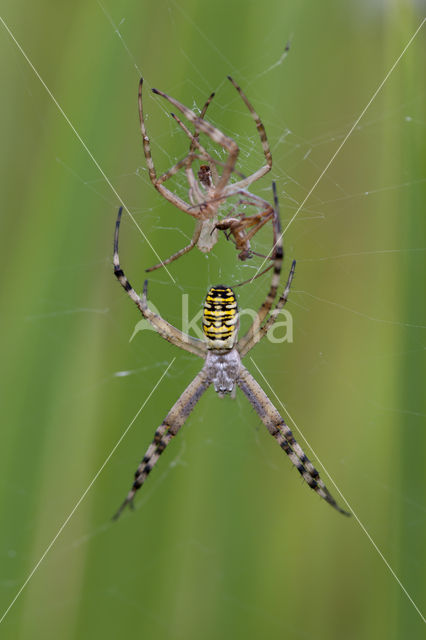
(222, 353)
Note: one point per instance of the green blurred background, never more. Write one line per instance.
(226, 541)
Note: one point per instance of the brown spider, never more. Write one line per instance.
(212, 189)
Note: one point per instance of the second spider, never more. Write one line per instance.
(211, 187)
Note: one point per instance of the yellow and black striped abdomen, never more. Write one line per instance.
(220, 318)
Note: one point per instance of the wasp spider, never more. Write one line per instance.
(222, 353)
(207, 194)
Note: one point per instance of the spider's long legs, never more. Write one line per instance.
(181, 252)
(213, 133)
(196, 135)
(283, 435)
(118, 271)
(161, 440)
(212, 165)
(265, 145)
(203, 113)
(278, 256)
(240, 284)
(176, 167)
(166, 431)
(195, 144)
(263, 330)
(164, 328)
(259, 125)
(166, 193)
(145, 138)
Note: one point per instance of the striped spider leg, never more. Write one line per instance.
(166, 330)
(209, 190)
(277, 427)
(222, 353)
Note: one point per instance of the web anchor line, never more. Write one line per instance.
(84, 494)
(342, 496)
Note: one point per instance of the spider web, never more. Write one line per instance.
(347, 304)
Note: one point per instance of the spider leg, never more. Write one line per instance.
(158, 183)
(282, 434)
(176, 167)
(213, 133)
(263, 139)
(181, 252)
(240, 284)
(165, 432)
(212, 164)
(193, 209)
(195, 144)
(166, 330)
(263, 330)
(278, 256)
(202, 114)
